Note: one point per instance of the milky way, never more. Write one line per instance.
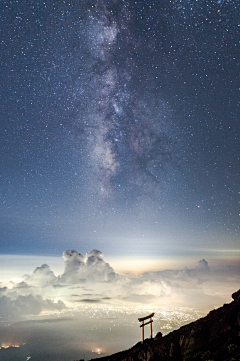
(128, 124)
(120, 125)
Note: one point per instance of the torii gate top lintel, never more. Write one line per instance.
(145, 318)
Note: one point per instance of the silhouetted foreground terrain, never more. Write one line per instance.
(215, 337)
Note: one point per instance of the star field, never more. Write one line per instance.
(119, 126)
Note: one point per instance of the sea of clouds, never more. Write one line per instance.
(90, 280)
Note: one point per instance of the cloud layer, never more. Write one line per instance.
(89, 279)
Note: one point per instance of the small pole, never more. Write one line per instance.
(142, 332)
(151, 328)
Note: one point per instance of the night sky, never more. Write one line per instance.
(119, 126)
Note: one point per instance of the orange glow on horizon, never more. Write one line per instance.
(5, 346)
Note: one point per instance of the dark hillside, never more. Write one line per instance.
(215, 337)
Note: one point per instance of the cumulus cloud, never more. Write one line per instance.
(40, 290)
(203, 266)
(3, 290)
(74, 267)
(197, 287)
(92, 267)
(22, 285)
(41, 276)
(183, 274)
(27, 305)
(97, 268)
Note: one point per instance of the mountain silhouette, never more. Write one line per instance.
(215, 337)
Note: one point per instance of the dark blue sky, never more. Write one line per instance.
(119, 126)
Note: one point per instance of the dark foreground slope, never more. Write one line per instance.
(214, 337)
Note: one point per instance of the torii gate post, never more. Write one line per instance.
(144, 324)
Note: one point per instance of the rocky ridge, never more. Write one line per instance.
(215, 337)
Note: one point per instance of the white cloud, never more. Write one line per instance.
(41, 276)
(27, 305)
(74, 267)
(92, 267)
(93, 279)
(97, 268)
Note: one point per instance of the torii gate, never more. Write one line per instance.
(144, 324)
